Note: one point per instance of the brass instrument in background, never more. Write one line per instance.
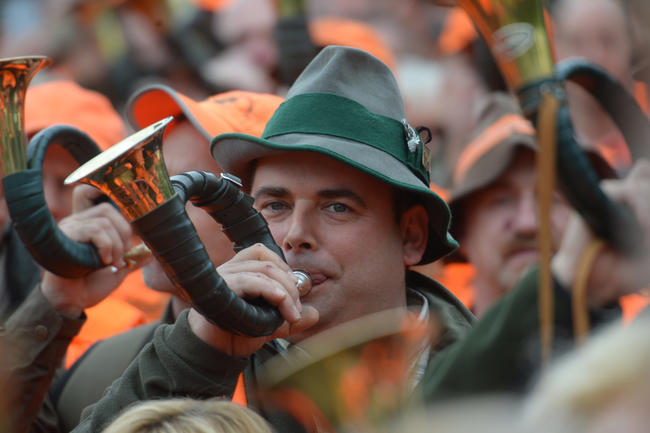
(15, 75)
(516, 34)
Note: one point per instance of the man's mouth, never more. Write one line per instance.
(528, 254)
(317, 278)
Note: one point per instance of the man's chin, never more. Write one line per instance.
(511, 274)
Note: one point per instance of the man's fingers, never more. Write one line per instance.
(122, 226)
(101, 232)
(281, 274)
(259, 252)
(84, 197)
(253, 285)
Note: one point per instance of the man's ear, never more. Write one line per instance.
(414, 227)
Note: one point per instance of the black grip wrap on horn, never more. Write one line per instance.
(29, 212)
(169, 233)
(614, 99)
(610, 221)
(224, 201)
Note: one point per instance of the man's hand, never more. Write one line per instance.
(613, 274)
(254, 272)
(106, 228)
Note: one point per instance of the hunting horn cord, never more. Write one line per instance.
(579, 302)
(546, 163)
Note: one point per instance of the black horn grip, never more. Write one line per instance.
(33, 222)
(224, 201)
(614, 99)
(608, 220)
(172, 238)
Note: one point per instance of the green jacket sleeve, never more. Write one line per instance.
(34, 341)
(176, 363)
(502, 352)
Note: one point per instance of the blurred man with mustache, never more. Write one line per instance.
(494, 201)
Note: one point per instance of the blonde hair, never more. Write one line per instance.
(184, 415)
(580, 388)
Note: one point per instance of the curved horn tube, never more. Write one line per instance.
(29, 212)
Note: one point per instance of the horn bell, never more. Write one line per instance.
(15, 75)
(515, 32)
(132, 173)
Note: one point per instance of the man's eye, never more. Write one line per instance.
(338, 207)
(275, 206)
(500, 200)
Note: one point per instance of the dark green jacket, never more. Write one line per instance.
(177, 363)
(502, 353)
(21, 274)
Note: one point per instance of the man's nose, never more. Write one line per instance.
(526, 220)
(300, 234)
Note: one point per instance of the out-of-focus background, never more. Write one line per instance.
(202, 47)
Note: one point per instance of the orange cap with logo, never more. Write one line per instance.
(65, 102)
(234, 111)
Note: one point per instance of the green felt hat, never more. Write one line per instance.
(346, 104)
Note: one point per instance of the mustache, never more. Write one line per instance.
(519, 243)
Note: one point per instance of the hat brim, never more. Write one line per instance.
(235, 153)
(491, 165)
(157, 101)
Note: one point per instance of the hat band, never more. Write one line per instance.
(337, 116)
(504, 127)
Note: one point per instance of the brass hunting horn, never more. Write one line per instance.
(515, 32)
(22, 173)
(15, 75)
(133, 175)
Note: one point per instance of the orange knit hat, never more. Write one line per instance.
(234, 111)
(65, 102)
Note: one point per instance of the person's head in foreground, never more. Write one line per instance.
(181, 415)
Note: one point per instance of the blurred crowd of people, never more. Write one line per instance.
(226, 66)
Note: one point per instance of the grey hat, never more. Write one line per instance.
(346, 104)
(501, 128)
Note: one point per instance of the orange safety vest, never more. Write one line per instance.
(131, 304)
(109, 317)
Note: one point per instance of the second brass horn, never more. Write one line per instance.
(133, 174)
(515, 32)
(15, 75)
